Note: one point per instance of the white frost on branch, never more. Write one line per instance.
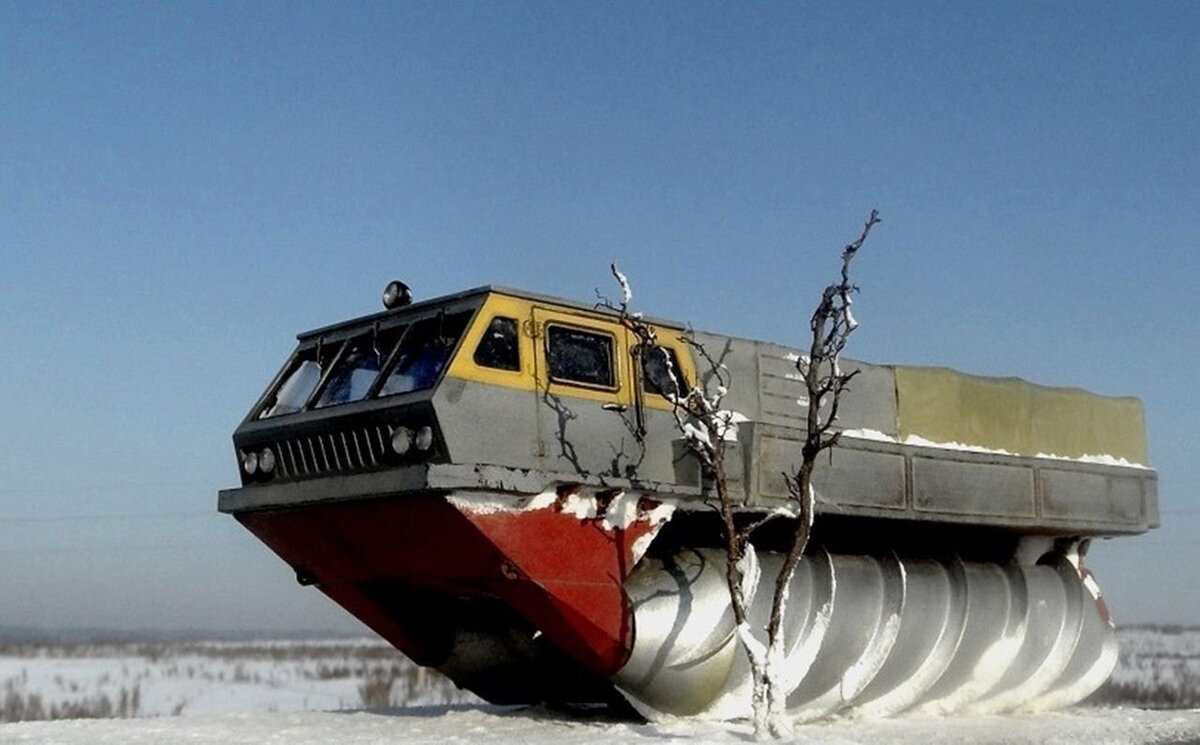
(623, 281)
(754, 648)
(750, 571)
(851, 324)
(695, 434)
(810, 513)
(776, 668)
(788, 509)
(725, 421)
(728, 421)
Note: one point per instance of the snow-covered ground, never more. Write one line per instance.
(470, 724)
(155, 679)
(353, 691)
(1159, 667)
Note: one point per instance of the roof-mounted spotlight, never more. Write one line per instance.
(396, 295)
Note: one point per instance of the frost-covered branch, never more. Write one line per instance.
(831, 325)
(704, 426)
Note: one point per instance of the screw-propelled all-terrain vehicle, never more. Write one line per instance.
(496, 483)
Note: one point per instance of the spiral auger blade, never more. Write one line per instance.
(868, 636)
(685, 643)
(993, 633)
(1095, 654)
(687, 659)
(931, 631)
(1053, 622)
(868, 601)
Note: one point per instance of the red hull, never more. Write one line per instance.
(561, 575)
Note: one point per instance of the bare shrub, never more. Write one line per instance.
(706, 425)
(1158, 668)
(388, 679)
(376, 691)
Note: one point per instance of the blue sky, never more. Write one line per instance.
(185, 187)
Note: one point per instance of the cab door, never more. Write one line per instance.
(584, 394)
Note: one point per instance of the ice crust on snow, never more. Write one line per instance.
(918, 441)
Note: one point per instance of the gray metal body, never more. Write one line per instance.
(527, 439)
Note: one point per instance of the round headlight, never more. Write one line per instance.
(250, 463)
(424, 438)
(402, 440)
(266, 461)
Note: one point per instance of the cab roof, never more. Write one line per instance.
(472, 294)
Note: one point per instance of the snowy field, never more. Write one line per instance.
(471, 724)
(157, 679)
(1159, 668)
(363, 691)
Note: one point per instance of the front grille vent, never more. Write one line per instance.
(349, 450)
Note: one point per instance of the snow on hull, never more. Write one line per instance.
(616, 511)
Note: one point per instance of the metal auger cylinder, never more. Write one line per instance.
(869, 637)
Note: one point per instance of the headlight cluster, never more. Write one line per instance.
(345, 452)
(404, 439)
(260, 464)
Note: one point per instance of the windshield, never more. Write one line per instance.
(356, 369)
(299, 382)
(414, 357)
(423, 353)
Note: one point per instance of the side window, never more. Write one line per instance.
(661, 372)
(580, 357)
(498, 347)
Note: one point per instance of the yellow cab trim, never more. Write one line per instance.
(463, 365)
(533, 317)
(545, 316)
